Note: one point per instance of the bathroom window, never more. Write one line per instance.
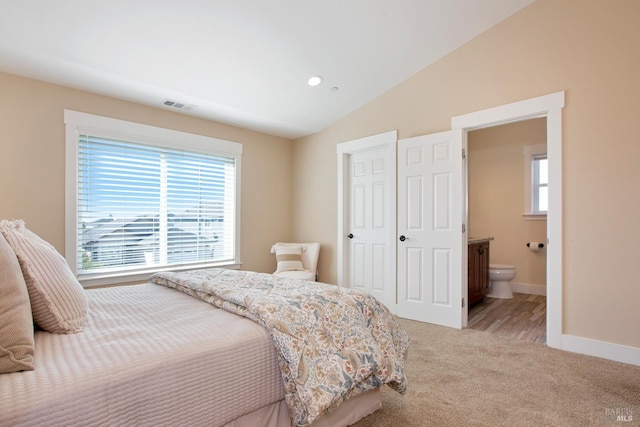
(536, 182)
(539, 184)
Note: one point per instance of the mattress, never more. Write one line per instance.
(149, 356)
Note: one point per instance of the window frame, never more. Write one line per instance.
(77, 123)
(530, 153)
(536, 184)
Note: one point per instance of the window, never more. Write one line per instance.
(539, 184)
(536, 182)
(142, 199)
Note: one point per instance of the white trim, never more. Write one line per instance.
(534, 149)
(141, 133)
(534, 217)
(368, 142)
(344, 150)
(528, 288)
(143, 276)
(549, 106)
(605, 350)
(509, 113)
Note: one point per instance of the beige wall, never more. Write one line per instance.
(588, 49)
(32, 142)
(495, 164)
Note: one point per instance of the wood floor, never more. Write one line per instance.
(523, 317)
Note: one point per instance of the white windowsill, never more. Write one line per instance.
(142, 276)
(534, 217)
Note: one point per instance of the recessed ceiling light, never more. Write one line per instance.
(314, 81)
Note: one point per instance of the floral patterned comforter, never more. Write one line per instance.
(333, 343)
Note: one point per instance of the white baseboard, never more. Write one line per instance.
(602, 349)
(590, 347)
(528, 288)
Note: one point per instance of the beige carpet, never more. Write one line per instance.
(473, 378)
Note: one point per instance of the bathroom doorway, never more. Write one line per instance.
(550, 107)
(498, 188)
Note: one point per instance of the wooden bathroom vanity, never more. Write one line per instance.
(478, 269)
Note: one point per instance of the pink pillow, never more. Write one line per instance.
(16, 324)
(58, 301)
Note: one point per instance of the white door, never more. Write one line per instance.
(430, 235)
(371, 225)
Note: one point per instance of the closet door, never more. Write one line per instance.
(367, 216)
(370, 224)
(430, 235)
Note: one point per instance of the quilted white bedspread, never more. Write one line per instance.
(145, 348)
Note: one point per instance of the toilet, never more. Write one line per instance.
(499, 276)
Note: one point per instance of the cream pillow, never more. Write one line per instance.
(16, 324)
(289, 257)
(58, 301)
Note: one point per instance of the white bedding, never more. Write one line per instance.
(134, 365)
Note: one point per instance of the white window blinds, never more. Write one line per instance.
(145, 206)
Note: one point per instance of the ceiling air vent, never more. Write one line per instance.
(179, 105)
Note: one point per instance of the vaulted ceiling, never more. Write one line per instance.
(241, 62)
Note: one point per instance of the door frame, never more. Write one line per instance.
(386, 140)
(549, 106)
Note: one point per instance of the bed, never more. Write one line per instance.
(151, 355)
